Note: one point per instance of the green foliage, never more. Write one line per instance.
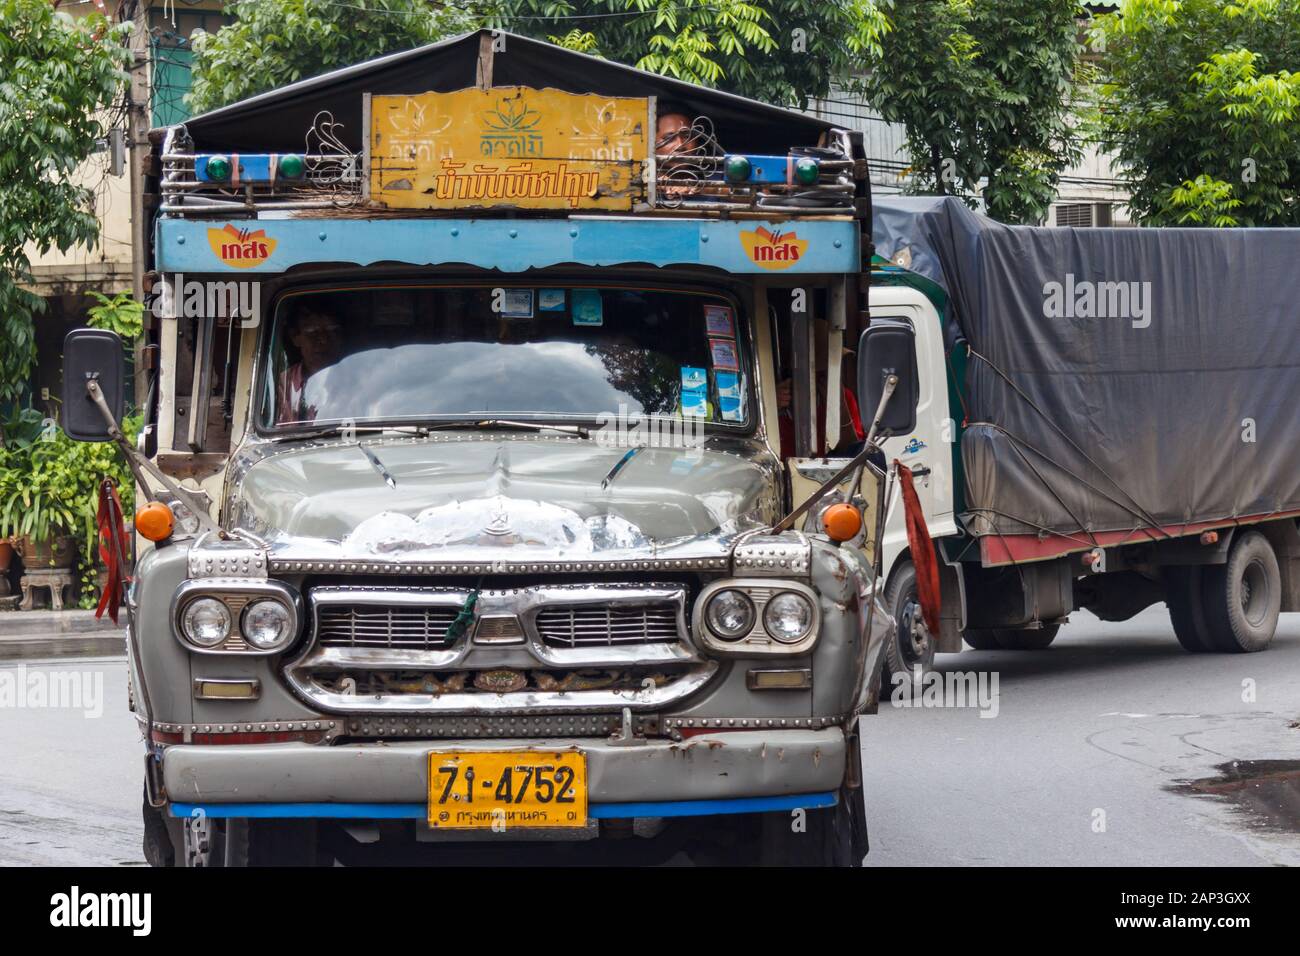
(1200, 101)
(57, 76)
(275, 42)
(778, 51)
(19, 430)
(983, 88)
(50, 488)
(122, 314)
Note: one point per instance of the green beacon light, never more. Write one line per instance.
(292, 166)
(218, 167)
(807, 170)
(737, 168)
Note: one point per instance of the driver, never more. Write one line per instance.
(317, 334)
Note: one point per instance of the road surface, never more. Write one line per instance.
(1082, 763)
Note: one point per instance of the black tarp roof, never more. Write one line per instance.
(277, 121)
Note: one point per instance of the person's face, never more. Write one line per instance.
(672, 133)
(319, 339)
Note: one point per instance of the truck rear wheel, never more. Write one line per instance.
(913, 644)
(1186, 610)
(1242, 598)
(1011, 638)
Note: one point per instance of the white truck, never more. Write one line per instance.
(1106, 420)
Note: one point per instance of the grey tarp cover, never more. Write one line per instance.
(1089, 413)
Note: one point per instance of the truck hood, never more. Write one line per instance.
(473, 497)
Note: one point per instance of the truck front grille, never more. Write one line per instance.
(368, 625)
(608, 626)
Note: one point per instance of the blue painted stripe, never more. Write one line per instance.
(418, 811)
(702, 808)
(511, 245)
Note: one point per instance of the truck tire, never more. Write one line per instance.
(232, 842)
(981, 638)
(1027, 638)
(913, 644)
(828, 836)
(1242, 598)
(158, 847)
(1186, 610)
(1011, 638)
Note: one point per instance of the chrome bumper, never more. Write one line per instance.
(719, 766)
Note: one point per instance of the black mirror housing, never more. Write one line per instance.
(888, 347)
(92, 354)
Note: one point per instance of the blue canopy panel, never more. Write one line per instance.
(275, 245)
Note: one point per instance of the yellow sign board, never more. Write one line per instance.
(508, 146)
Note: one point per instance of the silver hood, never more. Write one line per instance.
(482, 497)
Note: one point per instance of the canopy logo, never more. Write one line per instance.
(240, 248)
(773, 250)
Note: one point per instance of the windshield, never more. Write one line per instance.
(421, 354)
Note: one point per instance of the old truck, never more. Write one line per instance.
(483, 393)
(1107, 421)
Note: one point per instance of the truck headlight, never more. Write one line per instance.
(729, 615)
(267, 624)
(788, 617)
(206, 622)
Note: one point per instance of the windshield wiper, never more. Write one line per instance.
(507, 423)
(334, 431)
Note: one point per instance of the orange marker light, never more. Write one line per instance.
(842, 521)
(155, 521)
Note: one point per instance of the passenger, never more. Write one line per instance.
(317, 334)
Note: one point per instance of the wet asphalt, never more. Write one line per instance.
(1113, 748)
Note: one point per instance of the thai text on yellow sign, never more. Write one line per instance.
(508, 146)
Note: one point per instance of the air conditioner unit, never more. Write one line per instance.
(1083, 214)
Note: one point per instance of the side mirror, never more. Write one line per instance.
(888, 347)
(92, 354)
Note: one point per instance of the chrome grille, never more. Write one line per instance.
(371, 625)
(596, 625)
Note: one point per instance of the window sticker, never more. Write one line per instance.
(718, 321)
(550, 300)
(730, 399)
(695, 392)
(724, 355)
(588, 308)
(517, 303)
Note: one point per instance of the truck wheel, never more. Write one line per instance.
(829, 836)
(982, 639)
(1026, 638)
(913, 644)
(1243, 597)
(158, 847)
(1186, 612)
(1011, 638)
(239, 843)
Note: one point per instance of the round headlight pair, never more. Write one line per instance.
(266, 624)
(788, 617)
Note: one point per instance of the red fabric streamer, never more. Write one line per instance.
(923, 557)
(112, 548)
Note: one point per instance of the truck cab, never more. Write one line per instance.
(480, 509)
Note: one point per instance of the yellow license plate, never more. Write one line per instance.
(505, 789)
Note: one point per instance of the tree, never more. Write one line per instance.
(777, 51)
(1198, 100)
(275, 42)
(984, 90)
(58, 77)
